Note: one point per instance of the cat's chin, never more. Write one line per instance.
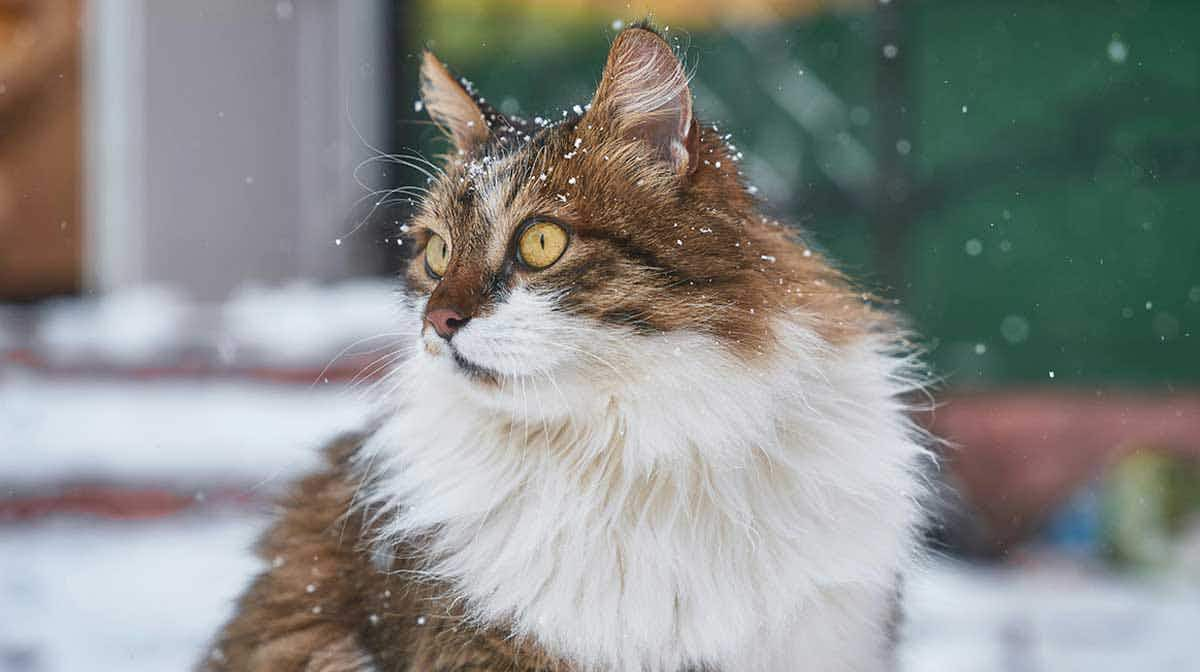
(459, 364)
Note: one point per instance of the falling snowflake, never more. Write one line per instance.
(1015, 329)
(1117, 51)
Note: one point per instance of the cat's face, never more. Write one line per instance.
(578, 252)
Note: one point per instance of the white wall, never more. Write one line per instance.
(222, 137)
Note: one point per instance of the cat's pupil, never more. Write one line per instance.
(542, 240)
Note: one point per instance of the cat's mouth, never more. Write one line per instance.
(473, 370)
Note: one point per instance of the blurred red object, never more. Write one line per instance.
(1016, 455)
(115, 502)
(106, 502)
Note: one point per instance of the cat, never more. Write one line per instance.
(642, 427)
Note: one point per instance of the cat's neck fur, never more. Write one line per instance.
(691, 515)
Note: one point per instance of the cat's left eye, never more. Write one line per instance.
(541, 244)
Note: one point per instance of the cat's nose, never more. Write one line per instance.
(446, 321)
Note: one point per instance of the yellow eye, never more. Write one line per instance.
(541, 244)
(437, 256)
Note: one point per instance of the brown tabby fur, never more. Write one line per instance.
(656, 246)
(323, 607)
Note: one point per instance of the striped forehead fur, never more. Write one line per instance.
(703, 255)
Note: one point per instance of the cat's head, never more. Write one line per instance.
(590, 250)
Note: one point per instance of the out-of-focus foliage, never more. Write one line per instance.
(1049, 152)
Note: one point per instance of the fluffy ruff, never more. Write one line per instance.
(634, 502)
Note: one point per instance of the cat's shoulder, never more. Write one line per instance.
(324, 495)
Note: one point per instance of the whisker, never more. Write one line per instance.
(343, 351)
(380, 364)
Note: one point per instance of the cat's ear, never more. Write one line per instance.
(644, 93)
(451, 106)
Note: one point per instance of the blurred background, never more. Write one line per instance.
(198, 252)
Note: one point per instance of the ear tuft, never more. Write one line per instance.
(645, 91)
(451, 106)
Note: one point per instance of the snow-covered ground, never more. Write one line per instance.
(299, 323)
(166, 432)
(76, 594)
(80, 595)
(1051, 617)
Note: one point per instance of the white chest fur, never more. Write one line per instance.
(702, 513)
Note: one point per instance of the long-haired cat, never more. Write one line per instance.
(642, 427)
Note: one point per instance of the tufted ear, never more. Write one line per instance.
(452, 106)
(644, 91)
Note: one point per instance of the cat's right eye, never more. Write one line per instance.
(437, 256)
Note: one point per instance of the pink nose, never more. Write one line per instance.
(445, 321)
